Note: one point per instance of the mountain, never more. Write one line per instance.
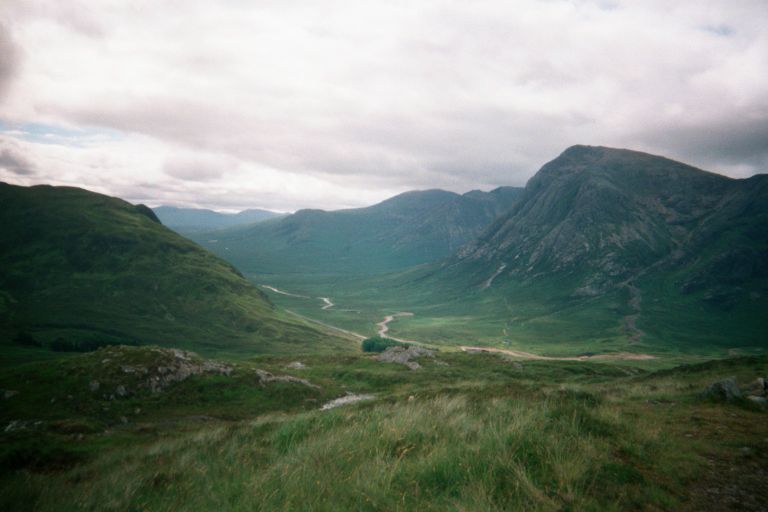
(409, 229)
(193, 220)
(79, 269)
(666, 248)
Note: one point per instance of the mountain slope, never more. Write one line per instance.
(79, 269)
(613, 244)
(609, 214)
(409, 229)
(193, 220)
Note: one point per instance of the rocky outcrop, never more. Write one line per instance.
(724, 390)
(405, 356)
(265, 378)
(124, 371)
(9, 393)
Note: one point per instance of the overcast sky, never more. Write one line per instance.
(292, 104)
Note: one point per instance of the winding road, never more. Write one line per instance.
(384, 328)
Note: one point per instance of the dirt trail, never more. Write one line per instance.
(348, 334)
(624, 356)
(384, 328)
(281, 292)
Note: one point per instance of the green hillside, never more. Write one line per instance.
(409, 229)
(79, 270)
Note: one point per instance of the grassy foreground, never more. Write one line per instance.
(465, 432)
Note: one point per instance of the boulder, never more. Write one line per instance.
(9, 393)
(724, 390)
(266, 377)
(757, 387)
(405, 356)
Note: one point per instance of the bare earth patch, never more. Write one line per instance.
(623, 356)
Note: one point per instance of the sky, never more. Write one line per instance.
(285, 104)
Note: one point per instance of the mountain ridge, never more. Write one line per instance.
(408, 229)
(192, 220)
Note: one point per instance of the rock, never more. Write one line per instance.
(15, 426)
(760, 400)
(9, 393)
(296, 365)
(405, 356)
(350, 398)
(411, 398)
(161, 368)
(265, 378)
(724, 390)
(517, 366)
(123, 420)
(757, 387)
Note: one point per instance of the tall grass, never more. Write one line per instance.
(558, 452)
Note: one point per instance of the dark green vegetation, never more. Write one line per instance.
(194, 220)
(466, 432)
(406, 230)
(379, 344)
(80, 270)
(604, 250)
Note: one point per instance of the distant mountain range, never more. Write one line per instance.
(79, 269)
(607, 245)
(193, 220)
(409, 229)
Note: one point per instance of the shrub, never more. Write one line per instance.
(26, 339)
(378, 344)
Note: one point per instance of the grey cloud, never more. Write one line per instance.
(9, 59)
(377, 96)
(193, 169)
(15, 163)
(736, 141)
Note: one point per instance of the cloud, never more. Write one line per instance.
(290, 100)
(14, 163)
(196, 168)
(8, 59)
